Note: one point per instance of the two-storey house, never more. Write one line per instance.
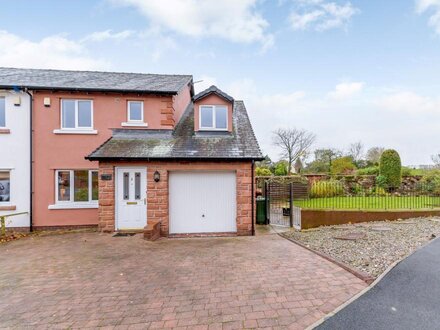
(122, 150)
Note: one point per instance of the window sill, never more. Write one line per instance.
(76, 131)
(5, 131)
(7, 207)
(213, 129)
(134, 124)
(68, 206)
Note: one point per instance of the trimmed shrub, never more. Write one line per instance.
(372, 170)
(281, 168)
(261, 171)
(330, 188)
(390, 167)
(381, 181)
(342, 165)
(430, 183)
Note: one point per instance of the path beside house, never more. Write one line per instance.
(90, 280)
(406, 298)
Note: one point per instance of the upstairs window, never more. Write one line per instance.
(135, 111)
(2, 112)
(76, 114)
(5, 186)
(213, 117)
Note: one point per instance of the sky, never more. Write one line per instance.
(347, 71)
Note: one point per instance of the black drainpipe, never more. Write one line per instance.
(31, 204)
(252, 199)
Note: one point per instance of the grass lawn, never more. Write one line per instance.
(370, 203)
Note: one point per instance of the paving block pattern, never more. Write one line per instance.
(91, 280)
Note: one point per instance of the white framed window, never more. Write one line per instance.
(76, 187)
(213, 117)
(135, 111)
(135, 114)
(2, 112)
(76, 115)
(5, 186)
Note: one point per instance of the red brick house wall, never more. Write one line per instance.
(157, 192)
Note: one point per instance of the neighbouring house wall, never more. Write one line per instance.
(212, 100)
(180, 102)
(157, 193)
(15, 157)
(316, 218)
(67, 151)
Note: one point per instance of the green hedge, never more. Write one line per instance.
(390, 168)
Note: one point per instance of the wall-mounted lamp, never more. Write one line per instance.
(156, 176)
(46, 102)
(17, 101)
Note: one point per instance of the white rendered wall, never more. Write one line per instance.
(14, 156)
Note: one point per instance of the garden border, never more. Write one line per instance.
(313, 218)
(367, 278)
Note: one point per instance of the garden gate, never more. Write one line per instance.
(280, 196)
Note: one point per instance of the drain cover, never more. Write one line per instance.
(123, 234)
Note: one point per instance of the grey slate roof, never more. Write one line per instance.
(215, 90)
(183, 143)
(92, 80)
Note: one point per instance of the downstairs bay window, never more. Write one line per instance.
(76, 189)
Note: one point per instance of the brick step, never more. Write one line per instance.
(152, 230)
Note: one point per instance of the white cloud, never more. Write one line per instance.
(409, 102)
(234, 20)
(55, 52)
(108, 35)
(321, 15)
(346, 90)
(430, 5)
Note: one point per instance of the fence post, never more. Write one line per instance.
(267, 193)
(291, 204)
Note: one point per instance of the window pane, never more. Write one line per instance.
(81, 186)
(84, 114)
(220, 117)
(5, 184)
(2, 112)
(68, 114)
(64, 186)
(125, 185)
(206, 117)
(135, 111)
(95, 186)
(137, 185)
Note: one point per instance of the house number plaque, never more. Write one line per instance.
(106, 177)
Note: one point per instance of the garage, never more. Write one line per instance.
(202, 202)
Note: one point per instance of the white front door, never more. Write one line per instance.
(202, 202)
(131, 201)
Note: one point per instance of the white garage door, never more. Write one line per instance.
(202, 202)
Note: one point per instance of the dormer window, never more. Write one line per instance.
(213, 117)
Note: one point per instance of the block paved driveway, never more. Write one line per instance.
(81, 280)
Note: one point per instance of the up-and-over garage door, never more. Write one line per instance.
(202, 202)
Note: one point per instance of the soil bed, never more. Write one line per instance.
(380, 244)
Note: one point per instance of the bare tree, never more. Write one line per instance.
(436, 160)
(294, 143)
(373, 154)
(356, 151)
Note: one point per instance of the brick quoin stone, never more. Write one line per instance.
(158, 194)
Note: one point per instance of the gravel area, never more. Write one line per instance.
(378, 243)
